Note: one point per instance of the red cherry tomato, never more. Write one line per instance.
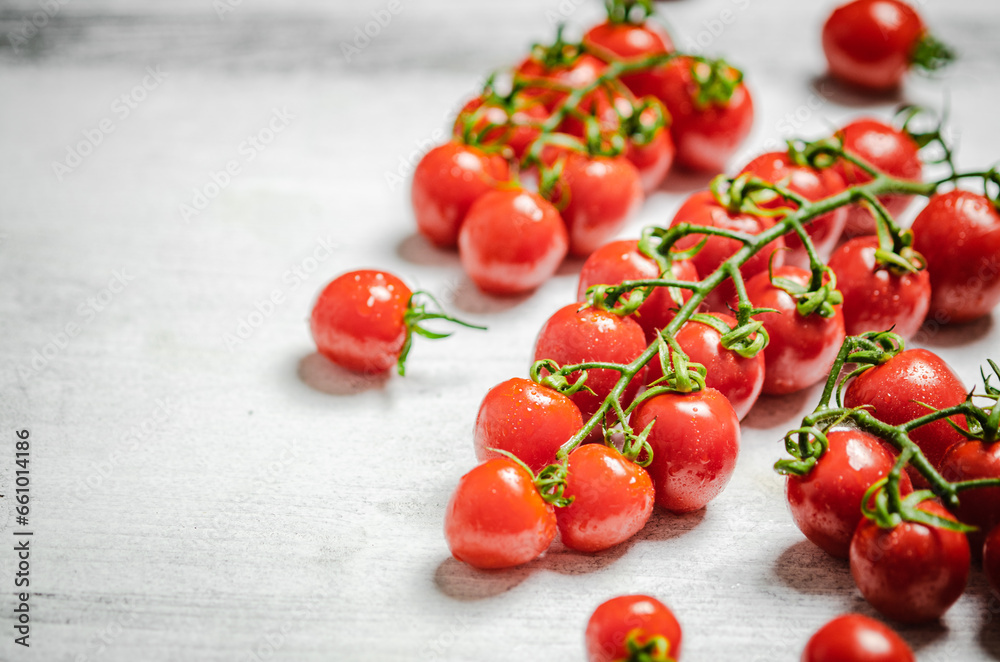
(912, 572)
(628, 40)
(979, 507)
(516, 130)
(358, 320)
(888, 150)
(446, 182)
(991, 558)
(814, 184)
(636, 617)
(856, 638)
(894, 390)
(826, 502)
(706, 135)
(695, 442)
(958, 233)
(653, 159)
(738, 378)
(512, 241)
(875, 297)
(870, 43)
(619, 261)
(702, 208)
(612, 499)
(526, 419)
(597, 195)
(582, 71)
(496, 518)
(573, 336)
(801, 349)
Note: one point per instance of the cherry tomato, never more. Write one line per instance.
(801, 349)
(979, 507)
(597, 195)
(526, 419)
(912, 572)
(636, 617)
(870, 43)
(619, 261)
(894, 390)
(826, 502)
(814, 184)
(991, 558)
(653, 159)
(512, 241)
(738, 378)
(582, 71)
(706, 135)
(574, 336)
(958, 234)
(856, 638)
(448, 179)
(695, 442)
(889, 151)
(702, 208)
(875, 297)
(496, 518)
(628, 41)
(612, 499)
(516, 129)
(358, 320)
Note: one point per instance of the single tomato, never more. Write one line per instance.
(517, 127)
(980, 507)
(856, 638)
(639, 619)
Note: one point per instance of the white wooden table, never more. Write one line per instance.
(203, 490)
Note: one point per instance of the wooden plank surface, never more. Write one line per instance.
(199, 498)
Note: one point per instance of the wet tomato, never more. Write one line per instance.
(980, 507)
(636, 618)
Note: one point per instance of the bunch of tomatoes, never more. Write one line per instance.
(792, 272)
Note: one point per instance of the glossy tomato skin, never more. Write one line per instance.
(738, 378)
(695, 442)
(969, 460)
(875, 298)
(856, 638)
(599, 195)
(705, 136)
(612, 499)
(894, 389)
(654, 159)
(527, 419)
(813, 184)
(702, 208)
(991, 558)
(618, 261)
(517, 130)
(358, 320)
(911, 573)
(582, 71)
(641, 616)
(958, 233)
(801, 349)
(889, 151)
(869, 43)
(496, 518)
(512, 242)
(573, 336)
(448, 179)
(826, 502)
(628, 40)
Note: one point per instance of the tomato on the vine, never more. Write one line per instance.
(876, 297)
(856, 638)
(448, 179)
(516, 129)
(826, 502)
(640, 620)
(628, 41)
(889, 151)
(695, 441)
(702, 208)
(496, 517)
(980, 507)
(622, 260)
(912, 572)
(612, 499)
(653, 158)
(802, 348)
(578, 72)
(527, 419)
(958, 234)
(811, 183)
(991, 558)
(512, 241)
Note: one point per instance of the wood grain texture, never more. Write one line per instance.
(199, 500)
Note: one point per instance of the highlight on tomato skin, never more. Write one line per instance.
(856, 638)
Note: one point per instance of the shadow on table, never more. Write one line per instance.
(933, 334)
(686, 181)
(416, 249)
(322, 375)
(470, 299)
(807, 569)
(773, 410)
(831, 89)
